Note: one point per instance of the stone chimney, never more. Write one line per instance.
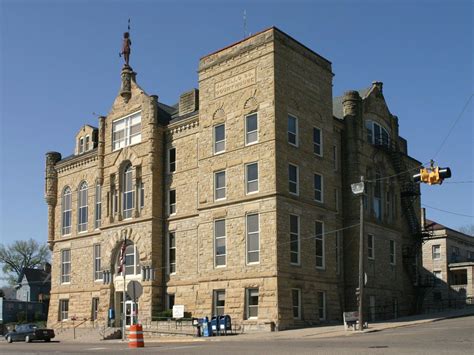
(189, 102)
(351, 103)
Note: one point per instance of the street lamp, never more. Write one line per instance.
(358, 189)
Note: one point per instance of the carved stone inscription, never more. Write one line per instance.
(235, 83)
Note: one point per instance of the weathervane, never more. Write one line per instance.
(126, 45)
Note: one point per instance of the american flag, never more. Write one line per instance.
(122, 257)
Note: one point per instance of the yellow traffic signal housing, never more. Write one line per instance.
(432, 176)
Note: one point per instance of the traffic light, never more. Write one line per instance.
(432, 175)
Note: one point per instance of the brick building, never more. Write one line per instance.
(237, 199)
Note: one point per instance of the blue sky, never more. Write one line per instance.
(59, 65)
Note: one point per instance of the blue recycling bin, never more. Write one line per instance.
(206, 327)
(225, 324)
(215, 325)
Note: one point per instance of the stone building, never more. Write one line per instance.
(448, 267)
(237, 199)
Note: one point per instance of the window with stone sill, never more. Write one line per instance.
(66, 266)
(320, 245)
(126, 131)
(171, 160)
(317, 141)
(172, 252)
(219, 138)
(219, 302)
(251, 128)
(318, 188)
(253, 238)
(251, 178)
(83, 208)
(128, 194)
(296, 302)
(294, 239)
(66, 206)
(293, 179)
(220, 243)
(172, 202)
(252, 296)
(219, 185)
(293, 130)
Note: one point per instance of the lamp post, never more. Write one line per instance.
(358, 189)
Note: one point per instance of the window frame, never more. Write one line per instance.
(98, 206)
(248, 306)
(371, 248)
(68, 212)
(248, 235)
(95, 308)
(215, 142)
(322, 296)
(297, 241)
(436, 255)
(172, 206)
(171, 264)
(87, 141)
(298, 305)
(315, 190)
(66, 267)
(171, 163)
(320, 237)
(83, 197)
(320, 144)
(371, 138)
(296, 133)
(249, 132)
(97, 266)
(393, 252)
(335, 157)
(127, 128)
(136, 261)
(63, 305)
(224, 188)
(296, 183)
(224, 237)
(215, 300)
(81, 145)
(248, 182)
(128, 194)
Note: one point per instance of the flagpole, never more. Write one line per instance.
(124, 318)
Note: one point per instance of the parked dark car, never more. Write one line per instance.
(28, 333)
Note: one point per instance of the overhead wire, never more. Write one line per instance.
(450, 212)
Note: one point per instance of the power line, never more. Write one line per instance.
(454, 124)
(455, 213)
(459, 182)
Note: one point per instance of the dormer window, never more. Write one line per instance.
(377, 134)
(86, 145)
(127, 131)
(81, 145)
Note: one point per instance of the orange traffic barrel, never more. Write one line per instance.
(135, 336)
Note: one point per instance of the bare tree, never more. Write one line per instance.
(467, 229)
(21, 254)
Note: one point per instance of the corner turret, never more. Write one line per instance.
(51, 192)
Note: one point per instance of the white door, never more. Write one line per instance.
(131, 313)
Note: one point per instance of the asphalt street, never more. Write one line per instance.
(450, 336)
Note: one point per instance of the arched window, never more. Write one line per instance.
(66, 211)
(132, 260)
(377, 134)
(83, 208)
(128, 196)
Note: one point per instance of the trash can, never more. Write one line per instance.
(225, 324)
(206, 327)
(215, 325)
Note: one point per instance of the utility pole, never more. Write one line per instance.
(359, 189)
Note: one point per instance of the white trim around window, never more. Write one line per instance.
(296, 302)
(251, 128)
(220, 243)
(318, 185)
(320, 245)
(251, 178)
(292, 130)
(295, 243)
(220, 185)
(293, 179)
(252, 226)
(218, 135)
(318, 141)
(171, 160)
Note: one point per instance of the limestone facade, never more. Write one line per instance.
(236, 200)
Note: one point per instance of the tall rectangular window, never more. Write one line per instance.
(127, 131)
(219, 302)
(253, 238)
(95, 308)
(172, 202)
(81, 145)
(252, 303)
(87, 144)
(436, 252)
(322, 305)
(219, 185)
(370, 246)
(293, 130)
(318, 188)
(377, 201)
(251, 178)
(294, 239)
(320, 254)
(338, 252)
(98, 206)
(334, 157)
(317, 141)
(128, 194)
(296, 302)
(220, 243)
(293, 179)
(65, 266)
(63, 313)
(336, 200)
(142, 194)
(83, 208)
(219, 138)
(172, 160)
(392, 252)
(172, 252)
(98, 274)
(66, 211)
(251, 128)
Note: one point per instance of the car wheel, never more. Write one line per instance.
(9, 339)
(27, 339)
(47, 340)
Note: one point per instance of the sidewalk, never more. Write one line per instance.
(338, 330)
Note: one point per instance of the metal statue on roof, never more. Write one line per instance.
(126, 45)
